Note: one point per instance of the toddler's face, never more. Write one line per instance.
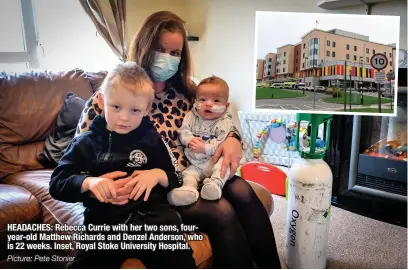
(123, 110)
(211, 101)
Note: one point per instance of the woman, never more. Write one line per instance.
(238, 226)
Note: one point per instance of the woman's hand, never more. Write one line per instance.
(231, 152)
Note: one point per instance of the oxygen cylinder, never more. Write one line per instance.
(310, 182)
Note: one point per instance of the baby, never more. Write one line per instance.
(204, 128)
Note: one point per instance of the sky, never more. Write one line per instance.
(275, 29)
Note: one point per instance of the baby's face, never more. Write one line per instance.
(211, 101)
(123, 110)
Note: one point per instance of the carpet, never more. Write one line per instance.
(354, 241)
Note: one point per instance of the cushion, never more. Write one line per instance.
(30, 103)
(64, 130)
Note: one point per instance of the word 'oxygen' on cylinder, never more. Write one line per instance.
(292, 228)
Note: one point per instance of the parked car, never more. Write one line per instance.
(299, 86)
(288, 85)
(276, 85)
(309, 88)
(321, 89)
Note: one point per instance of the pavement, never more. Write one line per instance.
(306, 103)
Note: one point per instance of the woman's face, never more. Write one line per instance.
(171, 43)
(167, 56)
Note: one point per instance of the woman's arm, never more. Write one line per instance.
(235, 134)
(231, 151)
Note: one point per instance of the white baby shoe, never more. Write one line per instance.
(181, 196)
(211, 189)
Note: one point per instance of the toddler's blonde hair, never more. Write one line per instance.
(132, 77)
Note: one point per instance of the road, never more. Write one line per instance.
(300, 103)
(306, 103)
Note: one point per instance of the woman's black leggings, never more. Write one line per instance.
(238, 226)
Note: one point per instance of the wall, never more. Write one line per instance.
(271, 56)
(260, 69)
(138, 10)
(298, 58)
(341, 49)
(226, 48)
(226, 30)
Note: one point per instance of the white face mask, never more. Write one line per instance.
(164, 66)
(214, 108)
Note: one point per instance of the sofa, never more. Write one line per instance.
(29, 106)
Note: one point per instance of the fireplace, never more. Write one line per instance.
(368, 157)
(378, 164)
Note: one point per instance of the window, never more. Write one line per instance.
(373, 51)
(328, 43)
(385, 54)
(348, 47)
(391, 63)
(333, 44)
(283, 70)
(296, 68)
(367, 59)
(297, 52)
(19, 42)
(355, 57)
(303, 65)
(333, 54)
(328, 53)
(304, 45)
(347, 56)
(367, 50)
(390, 55)
(284, 54)
(303, 55)
(355, 48)
(60, 50)
(270, 60)
(284, 62)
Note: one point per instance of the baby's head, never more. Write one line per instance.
(127, 96)
(212, 97)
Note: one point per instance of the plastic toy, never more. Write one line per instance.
(279, 132)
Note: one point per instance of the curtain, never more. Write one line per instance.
(109, 17)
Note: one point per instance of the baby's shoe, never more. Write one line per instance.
(211, 189)
(181, 196)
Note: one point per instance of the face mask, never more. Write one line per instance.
(164, 66)
(214, 109)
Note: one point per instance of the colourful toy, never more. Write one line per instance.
(275, 129)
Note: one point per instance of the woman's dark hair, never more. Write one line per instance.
(146, 42)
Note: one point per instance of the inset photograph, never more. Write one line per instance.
(344, 64)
